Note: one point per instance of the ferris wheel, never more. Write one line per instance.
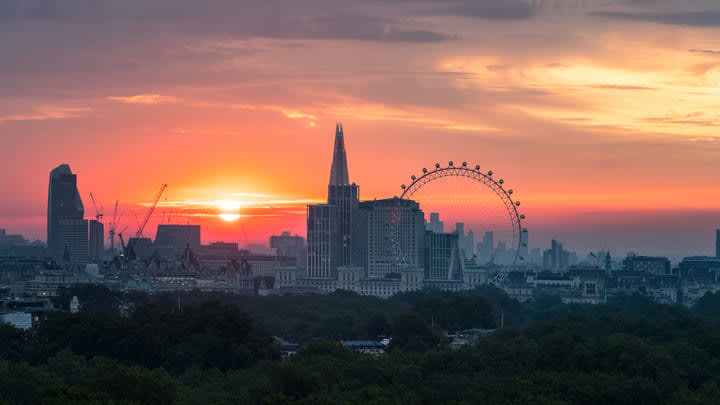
(474, 174)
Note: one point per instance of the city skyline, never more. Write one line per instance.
(607, 138)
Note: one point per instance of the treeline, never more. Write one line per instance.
(186, 349)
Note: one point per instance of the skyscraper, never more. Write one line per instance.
(331, 226)
(96, 242)
(67, 231)
(717, 243)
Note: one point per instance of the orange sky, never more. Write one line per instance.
(601, 115)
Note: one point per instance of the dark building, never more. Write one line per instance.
(67, 231)
(443, 260)
(171, 240)
(323, 242)
(717, 243)
(647, 264)
(704, 270)
(96, 245)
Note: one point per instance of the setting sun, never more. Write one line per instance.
(229, 217)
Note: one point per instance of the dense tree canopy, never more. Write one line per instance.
(199, 348)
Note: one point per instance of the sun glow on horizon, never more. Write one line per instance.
(229, 217)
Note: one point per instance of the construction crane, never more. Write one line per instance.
(98, 212)
(150, 211)
(113, 227)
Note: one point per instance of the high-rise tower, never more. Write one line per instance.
(330, 226)
(344, 196)
(67, 231)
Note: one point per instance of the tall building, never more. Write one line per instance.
(717, 243)
(67, 231)
(96, 239)
(443, 260)
(330, 248)
(322, 240)
(390, 232)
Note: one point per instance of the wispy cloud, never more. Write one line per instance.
(46, 113)
(145, 99)
(287, 112)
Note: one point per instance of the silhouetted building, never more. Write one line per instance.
(700, 269)
(290, 246)
(650, 265)
(443, 259)
(323, 244)
(67, 231)
(171, 240)
(558, 259)
(96, 240)
(717, 243)
(331, 226)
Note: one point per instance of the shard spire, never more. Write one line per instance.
(339, 171)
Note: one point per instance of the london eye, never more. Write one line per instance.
(509, 208)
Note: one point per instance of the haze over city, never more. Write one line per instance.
(598, 113)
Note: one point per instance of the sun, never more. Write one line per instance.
(229, 217)
(229, 210)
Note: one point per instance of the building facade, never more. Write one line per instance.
(65, 214)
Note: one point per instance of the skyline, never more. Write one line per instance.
(600, 116)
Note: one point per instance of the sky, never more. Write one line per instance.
(602, 115)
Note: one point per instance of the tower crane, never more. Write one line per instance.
(150, 211)
(98, 212)
(113, 227)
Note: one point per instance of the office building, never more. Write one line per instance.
(67, 231)
(390, 234)
(443, 259)
(323, 244)
(96, 245)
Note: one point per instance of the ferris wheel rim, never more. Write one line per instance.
(485, 178)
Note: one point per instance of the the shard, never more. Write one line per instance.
(339, 171)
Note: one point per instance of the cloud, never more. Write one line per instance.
(46, 113)
(319, 19)
(492, 9)
(145, 99)
(621, 87)
(690, 18)
(705, 51)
